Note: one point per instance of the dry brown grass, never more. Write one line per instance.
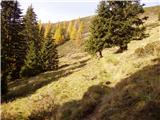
(76, 75)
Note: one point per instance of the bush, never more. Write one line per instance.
(27, 71)
(150, 49)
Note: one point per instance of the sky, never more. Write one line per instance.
(61, 10)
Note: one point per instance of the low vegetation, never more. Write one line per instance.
(135, 97)
(118, 86)
(152, 48)
(67, 94)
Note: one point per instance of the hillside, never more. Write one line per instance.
(151, 12)
(121, 86)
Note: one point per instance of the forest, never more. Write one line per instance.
(100, 67)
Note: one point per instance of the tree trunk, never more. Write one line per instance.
(123, 47)
(100, 54)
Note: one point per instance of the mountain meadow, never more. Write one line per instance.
(101, 67)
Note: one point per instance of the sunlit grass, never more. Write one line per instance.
(112, 67)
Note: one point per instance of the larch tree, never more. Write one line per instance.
(73, 31)
(69, 29)
(66, 35)
(79, 34)
(59, 35)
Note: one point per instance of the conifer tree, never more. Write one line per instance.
(50, 55)
(5, 41)
(31, 35)
(31, 66)
(42, 40)
(59, 35)
(69, 29)
(12, 43)
(126, 23)
(66, 35)
(73, 32)
(116, 24)
(99, 30)
(79, 34)
(19, 43)
(41, 33)
(47, 29)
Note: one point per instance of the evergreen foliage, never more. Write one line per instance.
(31, 67)
(41, 34)
(12, 43)
(26, 49)
(31, 35)
(47, 29)
(116, 24)
(49, 53)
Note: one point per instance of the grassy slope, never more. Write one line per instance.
(77, 73)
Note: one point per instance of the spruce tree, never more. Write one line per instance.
(42, 40)
(126, 23)
(32, 64)
(41, 34)
(12, 43)
(31, 67)
(49, 52)
(99, 30)
(47, 29)
(31, 30)
(116, 24)
(19, 43)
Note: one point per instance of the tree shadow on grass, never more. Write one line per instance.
(134, 98)
(25, 87)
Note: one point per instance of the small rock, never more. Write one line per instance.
(93, 78)
(108, 82)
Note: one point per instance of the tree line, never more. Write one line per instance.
(116, 23)
(72, 30)
(27, 47)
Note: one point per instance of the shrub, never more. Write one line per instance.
(149, 49)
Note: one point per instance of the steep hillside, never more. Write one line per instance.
(151, 12)
(121, 86)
